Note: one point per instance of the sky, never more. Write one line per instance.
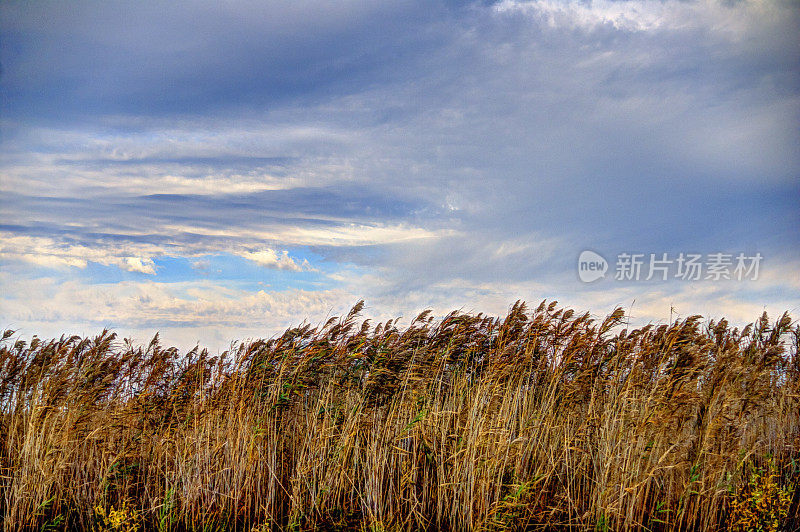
(219, 171)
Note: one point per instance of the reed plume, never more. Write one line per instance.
(543, 420)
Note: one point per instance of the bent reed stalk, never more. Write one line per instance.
(542, 420)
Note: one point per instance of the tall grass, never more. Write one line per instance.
(544, 419)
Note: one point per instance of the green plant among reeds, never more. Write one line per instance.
(543, 420)
(762, 504)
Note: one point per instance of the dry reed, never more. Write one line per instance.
(543, 420)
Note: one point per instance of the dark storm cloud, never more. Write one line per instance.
(155, 58)
(298, 207)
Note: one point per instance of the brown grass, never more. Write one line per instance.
(541, 420)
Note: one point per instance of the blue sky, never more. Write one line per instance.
(220, 171)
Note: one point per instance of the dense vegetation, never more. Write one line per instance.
(544, 419)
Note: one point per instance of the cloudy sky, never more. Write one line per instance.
(223, 170)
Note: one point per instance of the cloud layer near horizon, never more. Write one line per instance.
(216, 171)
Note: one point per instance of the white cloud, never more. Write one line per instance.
(140, 265)
(275, 259)
(215, 313)
(51, 252)
(358, 234)
(146, 177)
(634, 16)
(48, 260)
(211, 313)
(337, 235)
(732, 19)
(130, 253)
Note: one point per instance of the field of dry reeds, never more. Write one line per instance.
(542, 420)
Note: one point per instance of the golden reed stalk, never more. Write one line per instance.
(543, 420)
